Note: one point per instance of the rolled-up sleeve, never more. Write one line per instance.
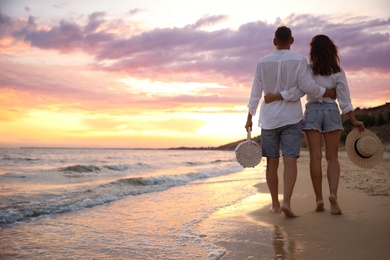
(256, 92)
(343, 94)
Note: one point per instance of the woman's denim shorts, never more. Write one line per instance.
(323, 117)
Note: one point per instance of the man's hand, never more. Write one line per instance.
(248, 125)
(330, 93)
(271, 97)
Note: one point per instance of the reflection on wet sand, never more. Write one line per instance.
(285, 246)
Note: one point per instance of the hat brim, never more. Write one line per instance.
(367, 163)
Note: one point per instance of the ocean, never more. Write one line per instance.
(59, 203)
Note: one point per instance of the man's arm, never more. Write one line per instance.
(248, 125)
(307, 84)
(256, 91)
(271, 97)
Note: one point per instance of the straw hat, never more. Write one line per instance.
(248, 153)
(365, 149)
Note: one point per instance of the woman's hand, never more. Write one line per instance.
(359, 125)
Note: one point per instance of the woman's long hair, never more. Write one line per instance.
(324, 56)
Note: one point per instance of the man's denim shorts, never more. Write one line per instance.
(287, 138)
(323, 117)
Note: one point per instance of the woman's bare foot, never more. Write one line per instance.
(288, 212)
(334, 205)
(320, 206)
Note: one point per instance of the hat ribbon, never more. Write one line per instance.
(357, 151)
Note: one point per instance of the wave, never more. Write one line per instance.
(12, 175)
(171, 180)
(203, 163)
(79, 168)
(222, 161)
(124, 167)
(21, 159)
(104, 193)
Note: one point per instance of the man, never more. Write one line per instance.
(281, 122)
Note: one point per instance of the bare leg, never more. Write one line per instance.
(273, 182)
(332, 140)
(314, 143)
(289, 179)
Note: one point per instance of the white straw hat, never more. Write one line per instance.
(365, 149)
(248, 153)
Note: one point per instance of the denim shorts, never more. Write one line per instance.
(287, 138)
(323, 117)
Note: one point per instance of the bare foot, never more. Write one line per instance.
(320, 206)
(334, 206)
(275, 209)
(288, 212)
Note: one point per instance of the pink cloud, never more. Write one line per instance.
(207, 21)
(64, 37)
(233, 53)
(189, 49)
(185, 54)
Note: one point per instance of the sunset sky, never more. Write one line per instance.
(164, 73)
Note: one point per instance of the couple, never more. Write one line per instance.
(285, 77)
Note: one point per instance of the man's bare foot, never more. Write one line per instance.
(334, 205)
(275, 209)
(320, 206)
(288, 212)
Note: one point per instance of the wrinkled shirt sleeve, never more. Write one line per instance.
(256, 92)
(306, 82)
(292, 94)
(343, 94)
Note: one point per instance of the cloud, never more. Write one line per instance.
(207, 21)
(7, 26)
(134, 11)
(94, 22)
(196, 54)
(64, 37)
(59, 88)
(175, 55)
(363, 44)
(233, 53)
(189, 50)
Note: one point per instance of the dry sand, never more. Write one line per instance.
(249, 231)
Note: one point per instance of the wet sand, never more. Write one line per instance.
(248, 230)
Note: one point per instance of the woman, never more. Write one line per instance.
(322, 118)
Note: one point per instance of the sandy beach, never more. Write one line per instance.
(248, 230)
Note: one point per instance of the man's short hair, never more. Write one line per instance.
(283, 34)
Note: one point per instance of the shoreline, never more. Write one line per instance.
(362, 232)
